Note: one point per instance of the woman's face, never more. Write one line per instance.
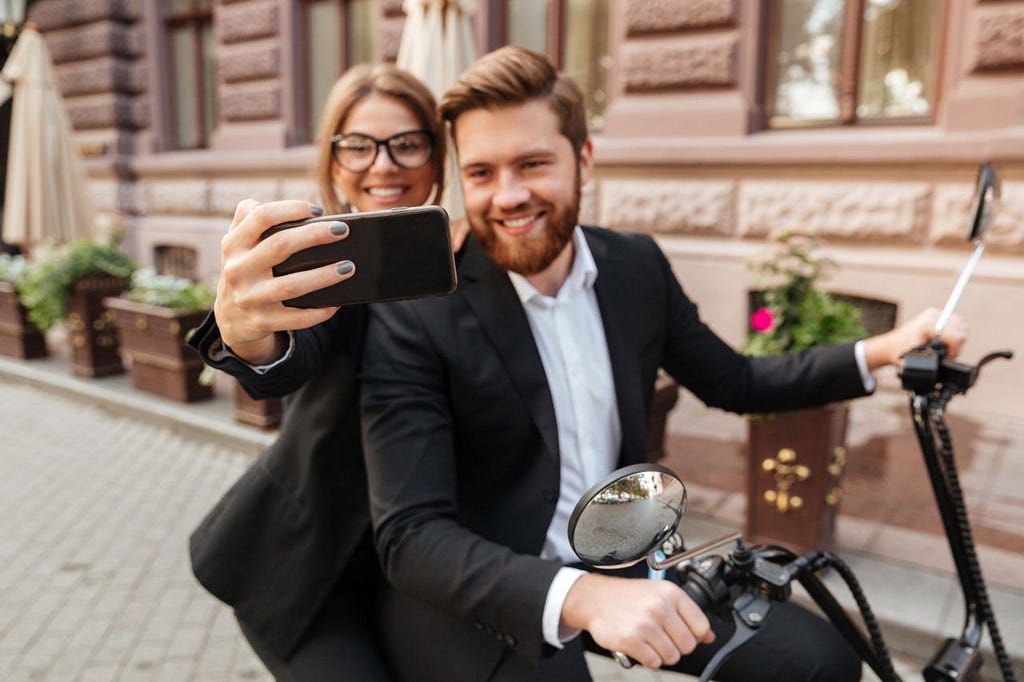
(384, 184)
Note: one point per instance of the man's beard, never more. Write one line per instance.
(530, 255)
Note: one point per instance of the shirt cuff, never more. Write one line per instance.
(554, 633)
(219, 352)
(862, 365)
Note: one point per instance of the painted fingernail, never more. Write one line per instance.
(338, 229)
(315, 210)
(345, 267)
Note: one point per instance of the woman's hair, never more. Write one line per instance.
(511, 76)
(355, 85)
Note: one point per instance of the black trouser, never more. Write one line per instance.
(339, 643)
(795, 645)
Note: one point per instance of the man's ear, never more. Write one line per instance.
(586, 161)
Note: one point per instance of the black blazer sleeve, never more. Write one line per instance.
(433, 542)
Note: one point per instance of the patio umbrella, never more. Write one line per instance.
(46, 196)
(437, 44)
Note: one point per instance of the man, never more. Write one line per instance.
(489, 412)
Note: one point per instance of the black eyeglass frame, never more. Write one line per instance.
(386, 143)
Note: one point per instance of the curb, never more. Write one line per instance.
(210, 419)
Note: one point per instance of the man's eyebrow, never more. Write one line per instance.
(521, 156)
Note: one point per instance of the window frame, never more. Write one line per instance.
(193, 20)
(848, 89)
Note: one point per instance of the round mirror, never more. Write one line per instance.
(625, 517)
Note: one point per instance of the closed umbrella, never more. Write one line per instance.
(437, 45)
(46, 198)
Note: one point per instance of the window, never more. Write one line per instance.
(848, 61)
(336, 35)
(180, 261)
(572, 33)
(189, 29)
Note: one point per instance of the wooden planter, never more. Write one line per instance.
(794, 473)
(19, 338)
(154, 338)
(666, 395)
(91, 331)
(265, 414)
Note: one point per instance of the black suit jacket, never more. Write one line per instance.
(461, 442)
(276, 543)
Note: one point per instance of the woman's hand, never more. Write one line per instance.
(249, 308)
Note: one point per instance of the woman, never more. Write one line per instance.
(289, 545)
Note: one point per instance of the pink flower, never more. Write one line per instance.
(762, 320)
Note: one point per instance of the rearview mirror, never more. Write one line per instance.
(626, 516)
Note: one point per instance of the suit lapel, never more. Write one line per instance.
(490, 294)
(613, 287)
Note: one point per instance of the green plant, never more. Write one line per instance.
(12, 268)
(796, 314)
(169, 291)
(45, 288)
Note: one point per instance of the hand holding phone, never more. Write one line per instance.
(399, 254)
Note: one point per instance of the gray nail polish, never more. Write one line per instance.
(338, 228)
(316, 211)
(345, 267)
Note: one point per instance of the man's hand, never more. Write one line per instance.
(888, 348)
(248, 307)
(652, 621)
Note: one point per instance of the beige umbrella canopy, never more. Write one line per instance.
(437, 45)
(46, 198)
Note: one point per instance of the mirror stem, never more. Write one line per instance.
(958, 290)
(658, 564)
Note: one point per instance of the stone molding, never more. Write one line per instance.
(952, 208)
(251, 105)
(226, 193)
(175, 197)
(893, 211)
(679, 65)
(668, 206)
(650, 16)
(250, 64)
(109, 74)
(55, 14)
(1000, 39)
(95, 40)
(246, 21)
(109, 110)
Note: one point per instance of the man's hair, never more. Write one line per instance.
(353, 87)
(512, 76)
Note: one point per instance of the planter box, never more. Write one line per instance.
(91, 331)
(19, 338)
(666, 395)
(154, 338)
(794, 473)
(265, 414)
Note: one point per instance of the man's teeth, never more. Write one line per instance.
(385, 191)
(517, 223)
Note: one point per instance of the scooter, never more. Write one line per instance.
(634, 514)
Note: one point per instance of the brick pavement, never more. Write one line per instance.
(94, 579)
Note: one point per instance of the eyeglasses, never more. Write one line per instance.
(409, 150)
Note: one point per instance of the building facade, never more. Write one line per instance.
(715, 124)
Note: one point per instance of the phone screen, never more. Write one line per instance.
(399, 254)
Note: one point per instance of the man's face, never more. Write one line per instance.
(521, 182)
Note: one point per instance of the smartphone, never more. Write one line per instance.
(401, 253)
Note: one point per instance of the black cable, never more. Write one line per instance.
(964, 525)
(888, 671)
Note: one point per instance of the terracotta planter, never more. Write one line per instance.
(265, 414)
(19, 338)
(794, 473)
(154, 338)
(91, 331)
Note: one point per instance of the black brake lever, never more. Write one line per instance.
(750, 613)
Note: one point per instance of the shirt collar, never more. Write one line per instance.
(582, 274)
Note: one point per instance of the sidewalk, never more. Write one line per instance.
(102, 485)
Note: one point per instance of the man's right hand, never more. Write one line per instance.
(654, 622)
(248, 307)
